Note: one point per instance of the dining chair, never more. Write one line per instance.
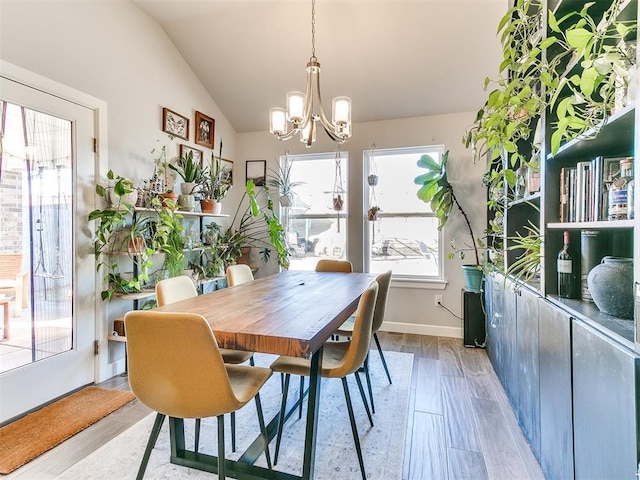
(346, 329)
(339, 359)
(180, 372)
(175, 289)
(326, 265)
(239, 274)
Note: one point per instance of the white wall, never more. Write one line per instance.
(410, 308)
(113, 51)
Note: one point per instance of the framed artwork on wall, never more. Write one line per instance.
(205, 127)
(257, 171)
(197, 154)
(227, 169)
(175, 124)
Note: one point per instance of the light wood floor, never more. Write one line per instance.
(460, 423)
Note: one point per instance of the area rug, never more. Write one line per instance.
(382, 445)
(34, 434)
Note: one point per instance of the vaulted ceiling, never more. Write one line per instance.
(394, 58)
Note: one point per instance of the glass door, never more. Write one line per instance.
(48, 327)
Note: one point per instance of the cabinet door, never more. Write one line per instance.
(497, 325)
(508, 338)
(604, 406)
(526, 375)
(556, 421)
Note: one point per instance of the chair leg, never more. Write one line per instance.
(222, 471)
(233, 431)
(155, 431)
(368, 379)
(363, 396)
(354, 428)
(263, 431)
(251, 362)
(197, 442)
(283, 412)
(301, 397)
(384, 363)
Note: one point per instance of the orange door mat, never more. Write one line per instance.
(32, 435)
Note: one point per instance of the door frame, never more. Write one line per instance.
(99, 108)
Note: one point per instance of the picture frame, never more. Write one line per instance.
(175, 124)
(227, 165)
(257, 171)
(610, 168)
(198, 155)
(205, 128)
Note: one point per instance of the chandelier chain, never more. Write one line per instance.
(313, 30)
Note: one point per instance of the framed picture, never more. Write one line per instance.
(610, 169)
(197, 154)
(257, 171)
(175, 124)
(205, 127)
(227, 168)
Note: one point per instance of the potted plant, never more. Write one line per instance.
(112, 238)
(281, 180)
(189, 170)
(438, 192)
(254, 225)
(214, 185)
(166, 234)
(372, 213)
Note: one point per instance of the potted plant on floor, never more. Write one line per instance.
(438, 192)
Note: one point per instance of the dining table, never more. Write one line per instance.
(290, 313)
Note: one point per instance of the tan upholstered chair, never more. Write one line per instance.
(339, 359)
(175, 289)
(239, 274)
(180, 372)
(13, 280)
(326, 265)
(346, 330)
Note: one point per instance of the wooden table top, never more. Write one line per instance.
(290, 313)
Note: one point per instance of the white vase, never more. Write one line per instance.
(188, 188)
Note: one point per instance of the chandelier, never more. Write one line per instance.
(301, 115)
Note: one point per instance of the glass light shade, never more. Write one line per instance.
(295, 106)
(308, 130)
(277, 121)
(341, 110)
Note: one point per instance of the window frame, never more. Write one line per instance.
(407, 279)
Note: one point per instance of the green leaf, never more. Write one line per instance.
(427, 178)
(427, 192)
(553, 23)
(578, 38)
(426, 161)
(588, 81)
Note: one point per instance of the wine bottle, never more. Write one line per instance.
(565, 270)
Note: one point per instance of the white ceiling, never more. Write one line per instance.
(394, 58)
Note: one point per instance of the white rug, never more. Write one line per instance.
(382, 445)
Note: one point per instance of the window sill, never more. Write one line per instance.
(419, 283)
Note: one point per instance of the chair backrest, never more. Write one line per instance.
(361, 337)
(10, 265)
(239, 274)
(174, 289)
(326, 265)
(177, 371)
(384, 281)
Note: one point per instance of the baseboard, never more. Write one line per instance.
(433, 330)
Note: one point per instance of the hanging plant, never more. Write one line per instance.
(372, 214)
(338, 188)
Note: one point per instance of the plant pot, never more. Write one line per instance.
(188, 188)
(208, 205)
(473, 276)
(172, 196)
(286, 200)
(187, 202)
(611, 286)
(136, 245)
(372, 180)
(372, 215)
(244, 258)
(338, 203)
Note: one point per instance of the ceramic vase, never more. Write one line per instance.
(611, 286)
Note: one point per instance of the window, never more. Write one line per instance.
(404, 237)
(316, 222)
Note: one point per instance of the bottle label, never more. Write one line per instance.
(564, 266)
